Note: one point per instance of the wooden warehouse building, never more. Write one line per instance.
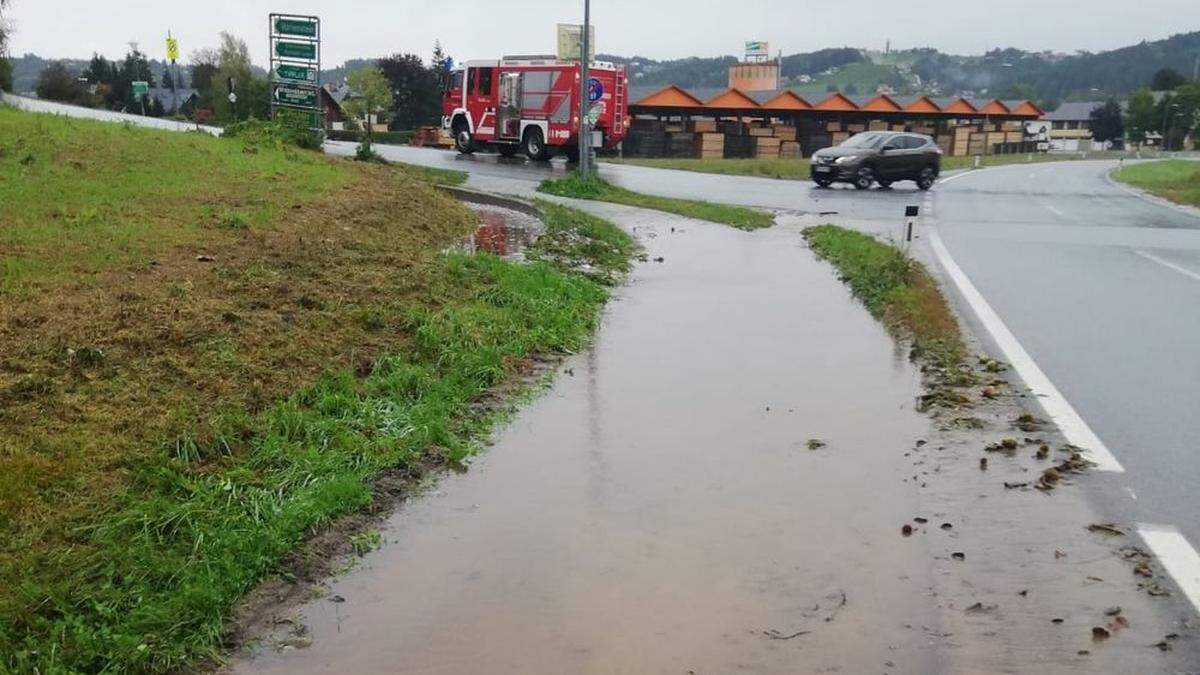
(677, 122)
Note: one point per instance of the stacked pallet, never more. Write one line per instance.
(856, 128)
(833, 127)
(710, 146)
(784, 132)
(961, 140)
(839, 137)
(767, 147)
(877, 125)
(897, 127)
(762, 132)
(703, 126)
(789, 150)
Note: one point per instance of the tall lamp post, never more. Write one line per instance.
(585, 140)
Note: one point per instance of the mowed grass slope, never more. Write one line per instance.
(208, 350)
(1174, 179)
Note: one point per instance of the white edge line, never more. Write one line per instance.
(1168, 264)
(947, 179)
(1073, 427)
(1178, 556)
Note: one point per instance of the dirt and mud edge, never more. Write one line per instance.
(303, 574)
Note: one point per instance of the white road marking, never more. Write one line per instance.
(1055, 211)
(947, 179)
(1169, 265)
(1074, 428)
(1177, 556)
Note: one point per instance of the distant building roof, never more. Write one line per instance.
(1074, 111)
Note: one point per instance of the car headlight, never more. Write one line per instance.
(845, 159)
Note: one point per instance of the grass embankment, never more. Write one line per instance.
(208, 350)
(898, 291)
(578, 186)
(785, 169)
(1175, 179)
(798, 169)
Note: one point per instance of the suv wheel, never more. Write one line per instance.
(927, 178)
(864, 178)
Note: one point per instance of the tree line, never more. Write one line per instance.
(413, 87)
(1167, 107)
(6, 82)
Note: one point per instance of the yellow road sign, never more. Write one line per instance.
(172, 49)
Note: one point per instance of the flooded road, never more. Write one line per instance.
(659, 509)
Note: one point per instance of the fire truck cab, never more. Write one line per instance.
(531, 105)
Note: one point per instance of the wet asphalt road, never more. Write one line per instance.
(1079, 269)
(1081, 272)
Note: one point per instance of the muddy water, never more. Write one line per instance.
(658, 509)
(503, 232)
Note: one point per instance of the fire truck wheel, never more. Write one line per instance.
(535, 145)
(462, 141)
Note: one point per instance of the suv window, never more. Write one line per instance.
(913, 142)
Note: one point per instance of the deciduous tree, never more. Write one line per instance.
(1167, 79)
(1140, 115)
(56, 83)
(370, 95)
(416, 91)
(1106, 122)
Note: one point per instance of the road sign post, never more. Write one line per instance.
(295, 50)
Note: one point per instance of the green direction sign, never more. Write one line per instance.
(297, 96)
(141, 88)
(301, 27)
(301, 74)
(296, 50)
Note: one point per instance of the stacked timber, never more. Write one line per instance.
(833, 127)
(839, 137)
(703, 126)
(762, 132)
(767, 147)
(789, 150)
(877, 125)
(710, 146)
(784, 132)
(856, 128)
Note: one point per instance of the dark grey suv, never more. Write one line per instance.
(882, 157)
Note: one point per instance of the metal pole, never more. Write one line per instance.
(585, 141)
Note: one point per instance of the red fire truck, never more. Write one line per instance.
(531, 104)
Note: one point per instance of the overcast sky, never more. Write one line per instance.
(653, 28)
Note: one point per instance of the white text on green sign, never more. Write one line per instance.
(296, 73)
(303, 27)
(297, 96)
(296, 50)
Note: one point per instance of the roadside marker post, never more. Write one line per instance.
(911, 213)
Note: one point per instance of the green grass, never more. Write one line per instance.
(432, 175)
(786, 169)
(1175, 179)
(578, 242)
(169, 431)
(62, 213)
(577, 186)
(896, 289)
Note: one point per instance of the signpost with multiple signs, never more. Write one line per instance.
(296, 65)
